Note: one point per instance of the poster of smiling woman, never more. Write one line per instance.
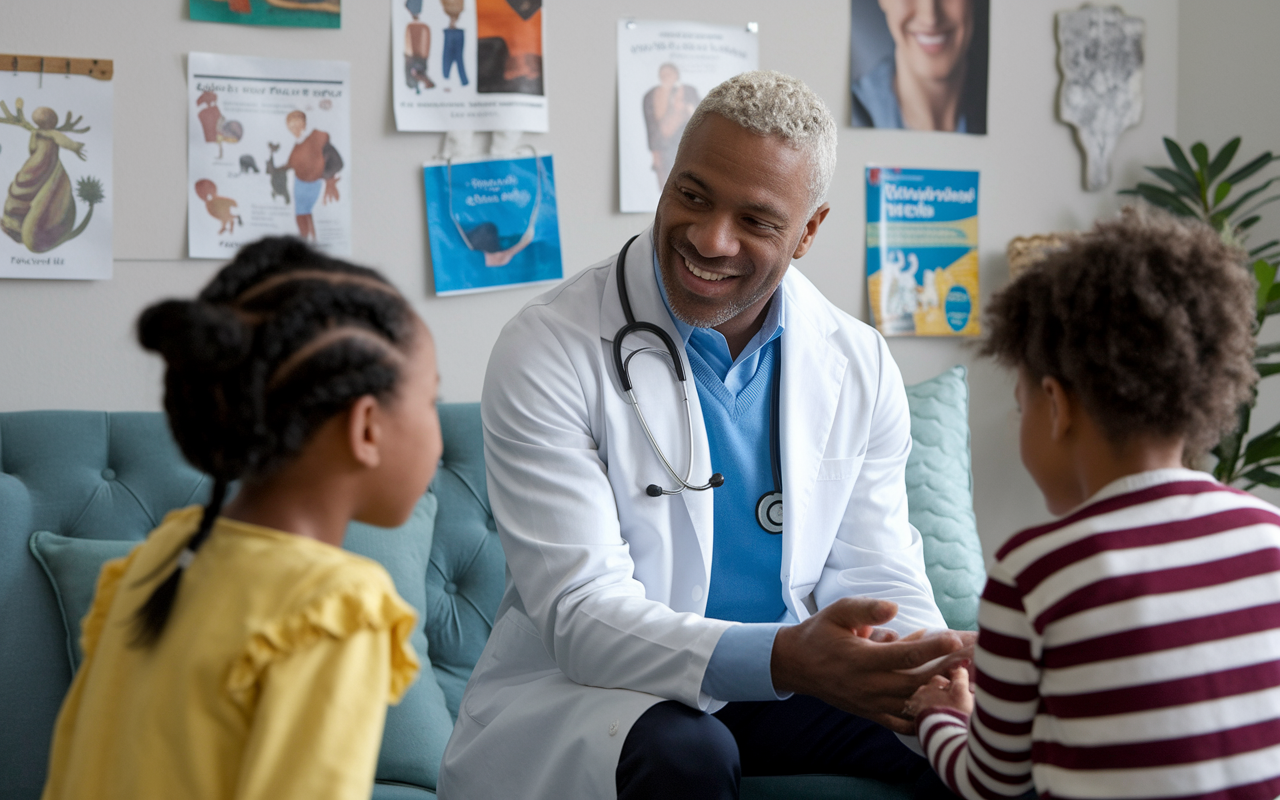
(920, 64)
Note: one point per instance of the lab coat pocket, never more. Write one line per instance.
(839, 469)
(513, 657)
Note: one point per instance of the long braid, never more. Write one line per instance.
(282, 339)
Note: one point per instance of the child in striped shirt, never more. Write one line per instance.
(1130, 649)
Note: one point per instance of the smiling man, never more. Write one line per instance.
(704, 581)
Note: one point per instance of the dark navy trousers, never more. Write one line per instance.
(676, 752)
(453, 43)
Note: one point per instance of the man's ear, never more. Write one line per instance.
(364, 431)
(1061, 407)
(811, 230)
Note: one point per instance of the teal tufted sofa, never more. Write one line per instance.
(95, 483)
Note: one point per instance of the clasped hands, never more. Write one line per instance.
(841, 656)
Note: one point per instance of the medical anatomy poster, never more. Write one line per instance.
(664, 71)
(492, 223)
(922, 251)
(268, 152)
(55, 159)
(285, 13)
(467, 65)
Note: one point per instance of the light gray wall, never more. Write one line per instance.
(1226, 88)
(68, 345)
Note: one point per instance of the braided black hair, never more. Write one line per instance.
(282, 339)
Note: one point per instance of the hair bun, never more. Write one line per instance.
(195, 334)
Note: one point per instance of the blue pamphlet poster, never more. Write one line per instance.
(492, 224)
(922, 251)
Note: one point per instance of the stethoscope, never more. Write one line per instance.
(769, 506)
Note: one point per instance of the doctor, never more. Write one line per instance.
(629, 619)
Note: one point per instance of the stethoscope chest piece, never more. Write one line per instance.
(769, 511)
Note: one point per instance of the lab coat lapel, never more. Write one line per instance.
(812, 373)
(668, 424)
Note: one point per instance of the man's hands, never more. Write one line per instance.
(840, 656)
(942, 692)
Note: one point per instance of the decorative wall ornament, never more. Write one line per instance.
(1100, 55)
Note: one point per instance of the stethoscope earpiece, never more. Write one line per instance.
(717, 480)
(653, 490)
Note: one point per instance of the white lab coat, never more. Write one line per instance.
(606, 586)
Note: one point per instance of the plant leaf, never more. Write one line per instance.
(1262, 203)
(1180, 161)
(1184, 185)
(1263, 248)
(1266, 350)
(1248, 223)
(1244, 198)
(1165, 199)
(1252, 167)
(1222, 160)
(1266, 275)
(1261, 449)
(1201, 154)
(1267, 370)
(1221, 193)
(1263, 476)
(1228, 448)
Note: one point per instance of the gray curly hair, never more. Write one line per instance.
(773, 104)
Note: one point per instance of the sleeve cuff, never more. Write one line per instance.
(740, 666)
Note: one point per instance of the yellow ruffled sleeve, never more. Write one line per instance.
(103, 596)
(316, 686)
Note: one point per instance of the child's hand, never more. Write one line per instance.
(943, 693)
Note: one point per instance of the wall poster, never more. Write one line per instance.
(903, 52)
(467, 65)
(55, 159)
(268, 152)
(285, 13)
(922, 251)
(664, 71)
(492, 223)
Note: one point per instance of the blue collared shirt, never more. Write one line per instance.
(739, 668)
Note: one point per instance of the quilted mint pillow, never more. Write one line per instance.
(940, 495)
(417, 729)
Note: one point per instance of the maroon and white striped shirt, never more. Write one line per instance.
(1128, 650)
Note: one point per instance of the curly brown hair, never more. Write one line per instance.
(1147, 318)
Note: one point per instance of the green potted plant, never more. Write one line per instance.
(1206, 191)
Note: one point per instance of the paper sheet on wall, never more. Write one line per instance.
(268, 152)
(664, 70)
(467, 65)
(922, 251)
(55, 159)
(492, 223)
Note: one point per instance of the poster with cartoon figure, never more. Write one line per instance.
(664, 71)
(922, 251)
(269, 151)
(55, 160)
(467, 65)
(492, 223)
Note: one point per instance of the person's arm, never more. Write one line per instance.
(987, 753)
(549, 488)
(317, 726)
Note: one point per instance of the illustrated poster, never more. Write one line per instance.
(664, 71)
(285, 13)
(269, 152)
(55, 159)
(922, 251)
(492, 223)
(467, 65)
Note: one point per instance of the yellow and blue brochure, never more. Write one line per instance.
(922, 251)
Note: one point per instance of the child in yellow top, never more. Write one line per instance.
(238, 652)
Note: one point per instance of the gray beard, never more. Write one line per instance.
(720, 317)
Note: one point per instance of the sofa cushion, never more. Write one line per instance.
(940, 495)
(417, 729)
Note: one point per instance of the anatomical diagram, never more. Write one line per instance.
(40, 210)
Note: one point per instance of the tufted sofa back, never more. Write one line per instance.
(114, 476)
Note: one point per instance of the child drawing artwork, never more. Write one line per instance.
(454, 40)
(417, 49)
(220, 208)
(40, 209)
(216, 127)
(279, 175)
(315, 163)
